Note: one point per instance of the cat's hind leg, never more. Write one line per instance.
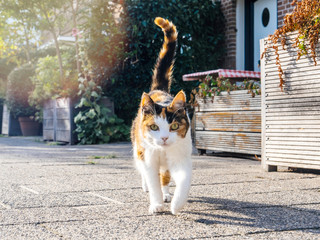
(165, 180)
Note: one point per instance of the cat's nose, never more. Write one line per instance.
(164, 138)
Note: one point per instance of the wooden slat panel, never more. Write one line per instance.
(290, 147)
(48, 135)
(63, 113)
(63, 124)
(292, 73)
(293, 100)
(290, 163)
(63, 136)
(249, 143)
(296, 152)
(312, 79)
(286, 129)
(48, 124)
(247, 121)
(5, 120)
(236, 100)
(294, 134)
(291, 142)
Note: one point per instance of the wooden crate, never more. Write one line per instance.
(231, 123)
(58, 119)
(290, 118)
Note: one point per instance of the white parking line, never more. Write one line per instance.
(5, 205)
(29, 189)
(105, 198)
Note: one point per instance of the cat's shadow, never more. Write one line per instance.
(215, 211)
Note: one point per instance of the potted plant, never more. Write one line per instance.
(227, 116)
(55, 97)
(18, 90)
(291, 91)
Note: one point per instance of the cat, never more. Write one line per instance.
(160, 133)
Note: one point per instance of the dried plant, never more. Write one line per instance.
(305, 19)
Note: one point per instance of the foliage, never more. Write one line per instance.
(210, 87)
(3, 89)
(18, 34)
(200, 24)
(305, 18)
(94, 122)
(47, 82)
(103, 38)
(19, 88)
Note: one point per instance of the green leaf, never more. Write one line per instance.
(91, 114)
(94, 94)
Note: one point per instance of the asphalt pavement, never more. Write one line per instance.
(48, 191)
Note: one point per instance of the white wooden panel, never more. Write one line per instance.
(249, 143)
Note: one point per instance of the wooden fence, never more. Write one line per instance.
(290, 118)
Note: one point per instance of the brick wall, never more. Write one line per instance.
(228, 8)
(284, 7)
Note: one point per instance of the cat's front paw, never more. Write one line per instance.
(167, 197)
(175, 208)
(156, 208)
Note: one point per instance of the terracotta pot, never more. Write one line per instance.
(29, 127)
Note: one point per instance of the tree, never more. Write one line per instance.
(18, 31)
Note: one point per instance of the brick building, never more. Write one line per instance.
(247, 21)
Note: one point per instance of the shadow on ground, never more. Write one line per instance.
(256, 216)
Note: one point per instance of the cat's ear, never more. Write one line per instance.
(179, 101)
(147, 104)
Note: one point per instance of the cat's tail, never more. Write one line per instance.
(162, 73)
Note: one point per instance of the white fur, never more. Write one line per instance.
(174, 155)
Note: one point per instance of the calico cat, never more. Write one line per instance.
(160, 133)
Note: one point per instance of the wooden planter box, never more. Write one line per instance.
(58, 119)
(10, 125)
(231, 123)
(290, 118)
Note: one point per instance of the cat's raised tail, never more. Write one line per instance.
(162, 73)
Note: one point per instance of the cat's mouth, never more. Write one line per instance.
(164, 144)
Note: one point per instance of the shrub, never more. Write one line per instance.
(94, 122)
(47, 82)
(200, 24)
(19, 88)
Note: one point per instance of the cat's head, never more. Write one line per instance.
(164, 124)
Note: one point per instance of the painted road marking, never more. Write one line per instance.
(5, 205)
(105, 198)
(29, 189)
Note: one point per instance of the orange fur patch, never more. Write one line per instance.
(165, 178)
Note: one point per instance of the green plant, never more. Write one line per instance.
(210, 87)
(47, 81)
(109, 156)
(200, 24)
(19, 88)
(94, 123)
(92, 163)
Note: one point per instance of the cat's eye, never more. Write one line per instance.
(154, 127)
(174, 126)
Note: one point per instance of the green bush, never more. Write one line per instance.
(47, 82)
(18, 91)
(94, 123)
(200, 24)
